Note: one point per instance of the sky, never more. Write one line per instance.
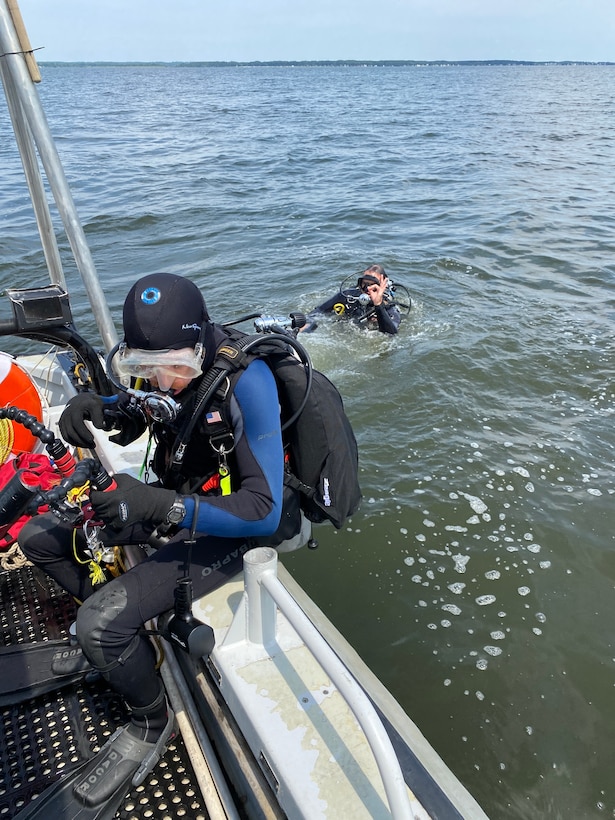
(247, 30)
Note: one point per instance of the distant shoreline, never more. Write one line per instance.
(333, 63)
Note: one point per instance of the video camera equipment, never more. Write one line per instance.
(180, 627)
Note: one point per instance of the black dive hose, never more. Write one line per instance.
(215, 376)
(23, 494)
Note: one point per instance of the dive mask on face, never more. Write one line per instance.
(162, 365)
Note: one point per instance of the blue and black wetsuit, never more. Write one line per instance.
(110, 621)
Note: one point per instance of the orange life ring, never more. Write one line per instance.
(17, 390)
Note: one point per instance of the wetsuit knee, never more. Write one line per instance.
(99, 625)
(37, 538)
(114, 645)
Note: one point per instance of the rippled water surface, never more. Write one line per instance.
(477, 579)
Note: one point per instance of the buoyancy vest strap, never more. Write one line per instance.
(230, 358)
(291, 480)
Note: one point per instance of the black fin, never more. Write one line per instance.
(59, 800)
(32, 669)
(95, 789)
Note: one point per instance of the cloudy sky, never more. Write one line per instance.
(244, 30)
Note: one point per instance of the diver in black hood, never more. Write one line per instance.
(214, 501)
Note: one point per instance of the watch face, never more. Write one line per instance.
(176, 513)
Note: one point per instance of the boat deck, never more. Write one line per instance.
(46, 736)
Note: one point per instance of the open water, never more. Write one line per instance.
(477, 580)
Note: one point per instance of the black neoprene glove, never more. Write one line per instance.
(133, 502)
(128, 418)
(114, 413)
(81, 407)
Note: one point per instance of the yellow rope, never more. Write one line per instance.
(97, 567)
(7, 439)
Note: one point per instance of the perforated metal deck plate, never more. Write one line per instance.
(45, 737)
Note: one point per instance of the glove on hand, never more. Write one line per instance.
(112, 413)
(127, 417)
(81, 407)
(133, 502)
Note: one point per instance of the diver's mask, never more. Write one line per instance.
(162, 367)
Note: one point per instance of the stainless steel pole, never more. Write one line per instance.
(34, 180)
(18, 78)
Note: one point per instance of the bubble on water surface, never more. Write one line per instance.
(485, 600)
(477, 504)
(594, 491)
(493, 574)
(452, 608)
(523, 591)
(457, 588)
(493, 650)
(460, 562)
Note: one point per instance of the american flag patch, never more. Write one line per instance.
(212, 418)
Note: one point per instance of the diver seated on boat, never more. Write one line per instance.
(211, 505)
(371, 303)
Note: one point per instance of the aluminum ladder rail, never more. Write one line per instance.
(32, 132)
(264, 594)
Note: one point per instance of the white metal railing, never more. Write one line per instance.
(265, 593)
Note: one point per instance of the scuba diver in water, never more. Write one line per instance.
(371, 303)
(210, 504)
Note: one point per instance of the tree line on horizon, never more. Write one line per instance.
(274, 63)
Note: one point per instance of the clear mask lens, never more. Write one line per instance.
(162, 365)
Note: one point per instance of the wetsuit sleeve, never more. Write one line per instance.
(388, 317)
(254, 506)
